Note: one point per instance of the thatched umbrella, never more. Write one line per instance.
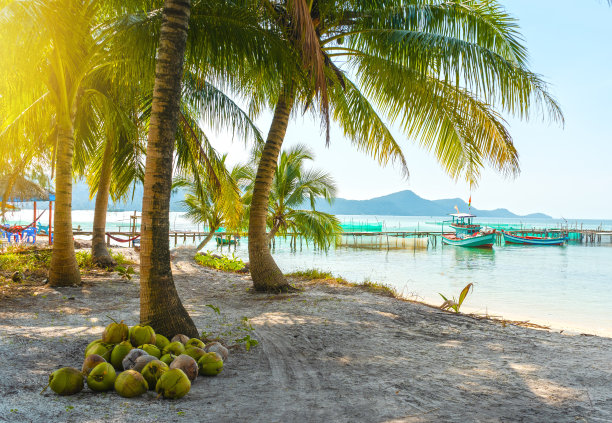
(19, 189)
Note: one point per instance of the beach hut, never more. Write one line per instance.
(21, 190)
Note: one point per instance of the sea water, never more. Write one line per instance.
(566, 287)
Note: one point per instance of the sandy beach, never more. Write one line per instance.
(328, 353)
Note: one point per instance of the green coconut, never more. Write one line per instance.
(119, 353)
(210, 364)
(66, 381)
(175, 348)
(183, 339)
(130, 384)
(92, 343)
(161, 341)
(151, 350)
(173, 384)
(218, 348)
(167, 358)
(102, 349)
(90, 362)
(115, 333)
(194, 342)
(195, 352)
(153, 371)
(187, 364)
(140, 335)
(102, 377)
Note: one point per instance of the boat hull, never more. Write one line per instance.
(514, 239)
(479, 241)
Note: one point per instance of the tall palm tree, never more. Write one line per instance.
(160, 305)
(58, 51)
(438, 68)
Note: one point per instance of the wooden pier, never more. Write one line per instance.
(378, 240)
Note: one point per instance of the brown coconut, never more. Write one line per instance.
(187, 365)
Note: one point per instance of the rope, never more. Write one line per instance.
(122, 240)
(17, 228)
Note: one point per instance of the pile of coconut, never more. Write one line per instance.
(134, 360)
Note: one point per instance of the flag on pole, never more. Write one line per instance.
(470, 202)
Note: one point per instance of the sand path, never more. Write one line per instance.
(328, 354)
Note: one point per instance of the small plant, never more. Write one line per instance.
(455, 304)
(126, 273)
(311, 274)
(248, 342)
(84, 260)
(120, 259)
(230, 264)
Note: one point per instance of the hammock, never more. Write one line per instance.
(16, 229)
(122, 240)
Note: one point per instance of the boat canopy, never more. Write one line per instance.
(462, 215)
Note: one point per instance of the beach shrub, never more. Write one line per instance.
(455, 304)
(229, 264)
(311, 274)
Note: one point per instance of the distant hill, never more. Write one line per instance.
(403, 203)
(407, 203)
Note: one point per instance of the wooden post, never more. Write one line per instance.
(50, 222)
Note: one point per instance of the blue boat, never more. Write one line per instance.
(513, 238)
(468, 234)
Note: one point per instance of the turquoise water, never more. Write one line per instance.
(567, 287)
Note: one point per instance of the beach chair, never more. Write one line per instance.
(28, 234)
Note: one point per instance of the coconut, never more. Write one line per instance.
(130, 359)
(183, 339)
(66, 381)
(153, 371)
(90, 362)
(161, 341)
(140, 335)
(218, 348)
(195, 352)
(167, 358)
(119, 353)
(194, 342)
(102, 377)
(142, 361)
(97, 341)
(210, 364)
(102, 349)
(115, 333)
(175, 348)
(187, 365)
(173, 384)
(151, 350)
(131, 384)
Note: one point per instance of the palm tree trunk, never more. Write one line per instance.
(208, 238)
(99, 253)
(160, 305)
(64, 269)
(264, 270)
(273, 232)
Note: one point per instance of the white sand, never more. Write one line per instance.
(333, 354)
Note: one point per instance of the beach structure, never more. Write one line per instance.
(17, 189)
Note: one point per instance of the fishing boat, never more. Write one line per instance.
(468, 234)
(544, 238)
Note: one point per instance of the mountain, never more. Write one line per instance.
(407, 203)
(403, 203)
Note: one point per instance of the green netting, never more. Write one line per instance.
(362, 227)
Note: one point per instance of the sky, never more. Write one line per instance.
(565, 171)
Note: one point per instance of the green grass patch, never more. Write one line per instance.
(327, 277)
(25, 261)
(226, 263)
(120, 259)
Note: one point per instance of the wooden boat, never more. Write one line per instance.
(468, 234)
(226, 241)
(514, 238)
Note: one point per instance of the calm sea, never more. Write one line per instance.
(567, 287)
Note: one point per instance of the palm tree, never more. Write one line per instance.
(436, 67)
(160, 305)
(293, 187)
(57, 51)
